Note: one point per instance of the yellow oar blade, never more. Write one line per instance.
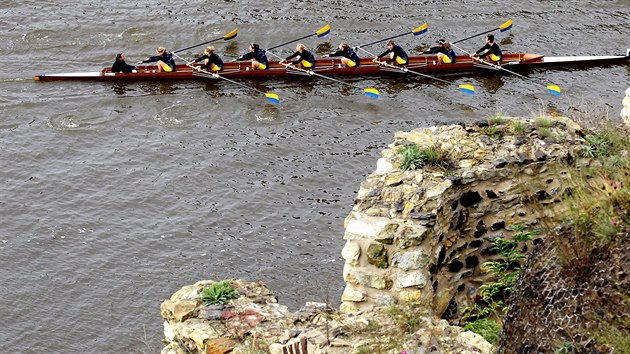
(506, 26)
(230, 35)
(372, 92)
(420, 30)
(272, 97)
(324, 31)
(553, 89)
(469, 89)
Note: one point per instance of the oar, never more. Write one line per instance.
(416, 32)
(506, 26)
(226, 37)
(552, 89)
(370, 92)
(322, 32)
(465, 88)
(272, 97)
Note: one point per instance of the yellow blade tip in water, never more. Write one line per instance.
(469, 89)
(231, 35)
(506, 26)
(324, 31)
(553, 89)
(272, 97)
(420, 30)
(372, 92)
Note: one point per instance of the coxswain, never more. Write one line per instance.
(120, 66)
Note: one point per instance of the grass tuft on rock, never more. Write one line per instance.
(413, 157)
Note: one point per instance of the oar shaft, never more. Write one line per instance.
(289, 42)
(196, 45)
(405, 70)
(497, 66)
(503, 27)
(384, 39)
(474, 35)
(206, 73)
(311, 72)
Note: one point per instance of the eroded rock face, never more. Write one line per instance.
(424, 234)
(255, 323)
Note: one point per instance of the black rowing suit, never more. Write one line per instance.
(450, 53)
(490, 49)
(166, 58)
(305, 55)
(212, 59)
(398, 52)
(120, 66)
(259, 55)
(347, 53)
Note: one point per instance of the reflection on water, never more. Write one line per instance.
(493, 82)
(231, 50)
(323, 48)
(120, 88)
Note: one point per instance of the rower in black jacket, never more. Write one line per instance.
(490, 50)
(305, 59)
(445, 53)
(348, 56)
(164, 60)
(396, 54)
(257, 56)
(211, 61)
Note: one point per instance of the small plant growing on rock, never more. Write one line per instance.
(492, 296)
(544, 122)
(544, 132)
(518, 127)
(492, 131)
(414, 157)
(597, 145)
(486, 328)
(497, 119)
(218, 293)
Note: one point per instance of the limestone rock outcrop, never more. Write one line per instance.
(255, 323)
(422, 235)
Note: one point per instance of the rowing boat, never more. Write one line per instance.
(426, 64)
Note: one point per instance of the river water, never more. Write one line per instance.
(112, 197)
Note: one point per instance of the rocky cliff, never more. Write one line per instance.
(416, 242)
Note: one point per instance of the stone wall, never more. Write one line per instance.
(422, 235)
(254, 322)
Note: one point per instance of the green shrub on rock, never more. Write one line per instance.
(218, 293)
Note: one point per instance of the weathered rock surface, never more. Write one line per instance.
(255, 323)
(424, 234)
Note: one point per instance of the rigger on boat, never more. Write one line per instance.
(424, 65)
